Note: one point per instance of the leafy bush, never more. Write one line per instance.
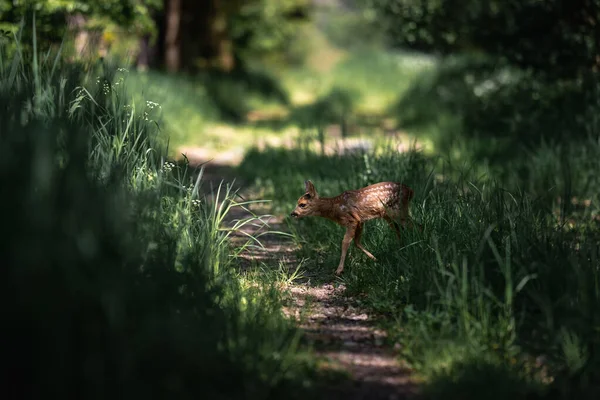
(550, 37)
(495, 112)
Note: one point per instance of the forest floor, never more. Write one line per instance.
(344, 336)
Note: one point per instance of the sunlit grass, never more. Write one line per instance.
(189, 116)
(377, 77)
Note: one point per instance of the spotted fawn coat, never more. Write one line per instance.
(351, 209)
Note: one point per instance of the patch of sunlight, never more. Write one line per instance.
(374, 103)
(416, 61)
(227, 144)
(267, 113)
(301, 97)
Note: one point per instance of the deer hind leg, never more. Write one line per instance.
(393, 225)
(350, 233)
(406, 221)
(400, 214)
(357, 236)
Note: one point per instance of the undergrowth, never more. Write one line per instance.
(119, 277)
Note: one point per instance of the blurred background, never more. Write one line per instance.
(123, 279)
(230, 73)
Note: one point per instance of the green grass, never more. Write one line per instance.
(503, 268)
(185, 106)
(210, 111)
(206, 110)
(376, 76)
(118, 275)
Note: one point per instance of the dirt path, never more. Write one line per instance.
(342, 334)
(346, 336)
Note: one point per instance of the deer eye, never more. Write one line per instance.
(302, 205)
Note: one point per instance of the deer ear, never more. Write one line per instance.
(310, 189)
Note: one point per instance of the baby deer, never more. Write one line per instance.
(387, 200)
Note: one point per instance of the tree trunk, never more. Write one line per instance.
(221, 45)
(208, 33)
(173, 35)
(195, 35)
(144, 55)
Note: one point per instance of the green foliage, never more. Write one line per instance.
(134, 15)
(268, 27)
(494, 112)
(350, 27)
(550, 37)
(117, 273)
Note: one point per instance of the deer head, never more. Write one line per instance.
(306, 203)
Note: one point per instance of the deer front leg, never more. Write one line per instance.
(350, 232)
(357, 236)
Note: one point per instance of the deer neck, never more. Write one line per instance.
(327, 208)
